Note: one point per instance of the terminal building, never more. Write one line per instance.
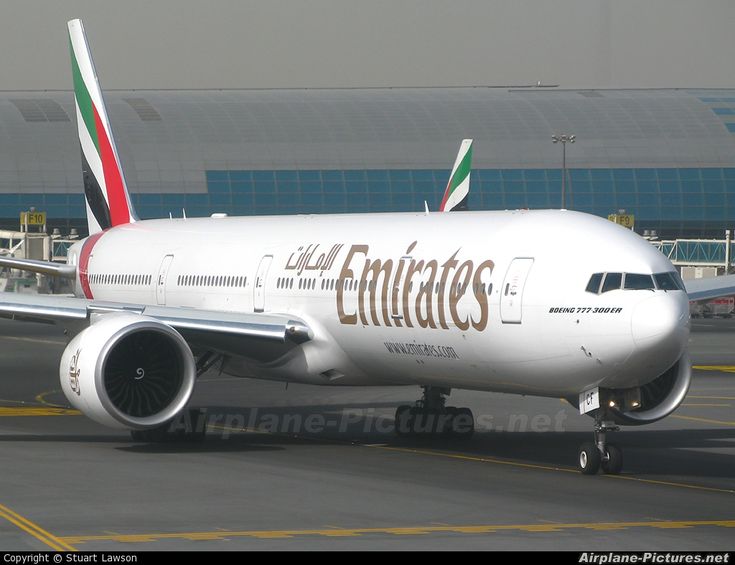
(665, 156)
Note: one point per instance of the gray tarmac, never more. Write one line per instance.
(303, 467)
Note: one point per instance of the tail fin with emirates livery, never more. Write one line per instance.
(108, 200)
(458, 187)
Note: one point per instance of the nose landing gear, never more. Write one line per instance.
(430, 416)
(593, 455)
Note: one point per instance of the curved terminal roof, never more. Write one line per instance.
(178, 143)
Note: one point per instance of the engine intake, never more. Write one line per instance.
(128, 371)
(656, 399)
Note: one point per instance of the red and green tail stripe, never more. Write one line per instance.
(107, 197)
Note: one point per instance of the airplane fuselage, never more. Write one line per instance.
(491, 301)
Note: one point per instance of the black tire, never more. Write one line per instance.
(614, 462)
(463, 423)
(447, 421)
(424, 423)
(588, 459)
(403, 421)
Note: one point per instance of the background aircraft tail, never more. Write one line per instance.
(458, 187)
(108, 200)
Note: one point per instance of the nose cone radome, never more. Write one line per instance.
(660, 325)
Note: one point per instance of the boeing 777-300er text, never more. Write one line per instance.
(550, 303)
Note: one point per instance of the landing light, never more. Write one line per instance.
(612, 404)
(636, 404)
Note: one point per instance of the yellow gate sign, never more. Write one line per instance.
(32, 218)
(625, 220)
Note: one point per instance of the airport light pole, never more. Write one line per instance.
(564, 139)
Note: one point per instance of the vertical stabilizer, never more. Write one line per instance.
(108, 200)
(458, 187)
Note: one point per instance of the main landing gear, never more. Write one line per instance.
(593, 455)
(430, 416)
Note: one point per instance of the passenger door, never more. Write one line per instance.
(259, 286)
(511, 295)
(161, 280)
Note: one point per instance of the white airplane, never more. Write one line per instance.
(550, 303)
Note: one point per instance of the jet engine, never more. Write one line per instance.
(650, 402)
(128, 371)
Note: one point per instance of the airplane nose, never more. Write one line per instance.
(660, 325)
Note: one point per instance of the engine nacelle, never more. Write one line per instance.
(128, 371)
(654, 400)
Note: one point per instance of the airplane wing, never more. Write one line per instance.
(706, 289)
(261, 337)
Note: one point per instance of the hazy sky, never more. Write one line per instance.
(344, 43)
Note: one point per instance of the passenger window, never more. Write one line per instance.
(593, 285)
(638, 282)
(613, 281)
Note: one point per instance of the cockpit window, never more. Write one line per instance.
(679, 281)
(605, 282)
(613, 281)
(635, 281)
(668, 281)
(594, 285)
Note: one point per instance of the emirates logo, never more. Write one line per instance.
(74, 373)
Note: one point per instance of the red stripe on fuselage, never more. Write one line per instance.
(118, 201)
(84, 255)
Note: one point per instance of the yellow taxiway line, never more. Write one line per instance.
(43, 408)
(219, 535)
(13, 411)
(491, 460)
(719, 368)
(703, 420)
(33, 340)
(494, 461)
(704, 405)
(32, 529)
